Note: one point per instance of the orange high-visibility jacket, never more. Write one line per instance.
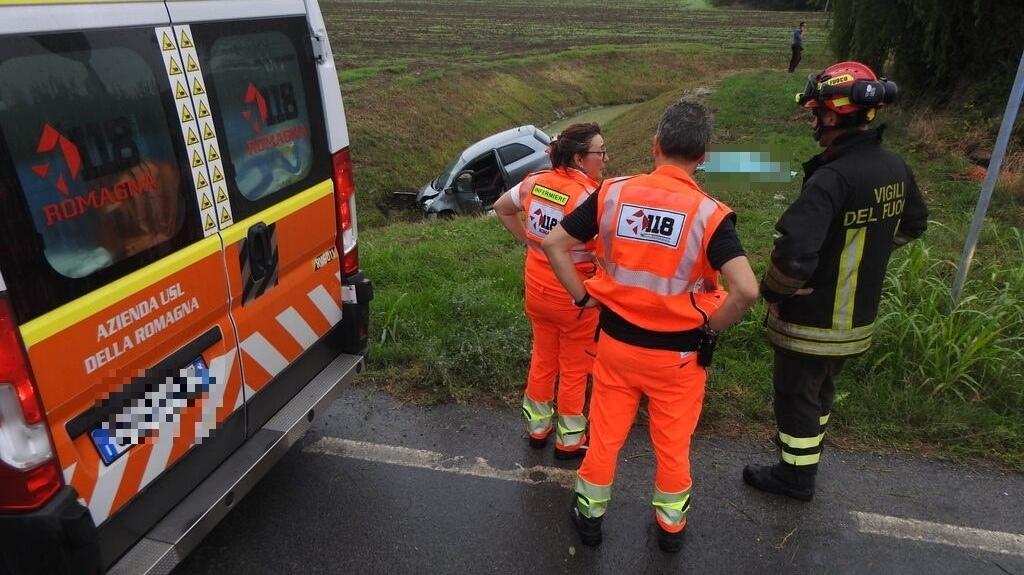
(653, 234)
(547, 197)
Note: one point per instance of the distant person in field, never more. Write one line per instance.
(563, 333)
(797, 46)
(663, 245)
(859, 202)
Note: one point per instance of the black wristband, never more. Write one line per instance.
(583, 300)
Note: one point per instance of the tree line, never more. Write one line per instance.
(938, 48)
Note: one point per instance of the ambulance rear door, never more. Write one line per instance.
(114, 269)
(274, 168)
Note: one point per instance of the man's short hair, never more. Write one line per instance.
(801, 24)
(685, 130)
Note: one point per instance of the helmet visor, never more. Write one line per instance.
(810, 92)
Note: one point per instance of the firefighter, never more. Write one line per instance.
(859, 202)
(563, 335)
(661, 246)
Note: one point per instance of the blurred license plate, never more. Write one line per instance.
(107, 444)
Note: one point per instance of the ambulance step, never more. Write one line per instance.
(177, 534)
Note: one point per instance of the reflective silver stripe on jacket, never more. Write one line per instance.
(680, 282)
(819, 341)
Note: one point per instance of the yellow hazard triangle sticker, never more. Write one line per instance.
(192, 66)
(217, 176)
(174, 68)
(212, 153)
(206, 203)
(207, 132)
(221, 196)
(210, 224)
(186, 115)
(192, 138)
(203, 112)
(185, 42)
(197, 87)
(197, 160)
(180, 92)
(201, 181)
(166, 43)
(224, 215)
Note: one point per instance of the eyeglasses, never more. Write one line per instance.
(604, 153)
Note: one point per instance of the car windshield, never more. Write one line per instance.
(446, 175)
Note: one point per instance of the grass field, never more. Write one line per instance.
(447, 322)
(431, 38)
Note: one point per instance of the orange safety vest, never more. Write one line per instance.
(547, 197)
(653, 234)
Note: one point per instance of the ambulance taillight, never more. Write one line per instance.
(345, 206)
(29, 474)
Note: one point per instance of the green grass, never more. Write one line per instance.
(448, 34)
(447, 315)
(449, 301)
(404, 133)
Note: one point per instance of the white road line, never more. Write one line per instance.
(914, 530)
(422, 459)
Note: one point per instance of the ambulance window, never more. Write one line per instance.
(267, 107)
(91, 182)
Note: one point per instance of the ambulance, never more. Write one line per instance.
(180, 291)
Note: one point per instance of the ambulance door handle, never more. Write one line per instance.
(258, 242)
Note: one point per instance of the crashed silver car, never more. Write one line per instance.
(478, 176)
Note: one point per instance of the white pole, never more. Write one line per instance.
(1009, 116)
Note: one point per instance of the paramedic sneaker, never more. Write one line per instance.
(780, 479)
(670, 542)
(588, 528)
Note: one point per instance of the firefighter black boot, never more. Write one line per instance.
(589, 528)
(781, 479)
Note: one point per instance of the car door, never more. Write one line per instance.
(118, 285)
(516, 161)
(273, 177)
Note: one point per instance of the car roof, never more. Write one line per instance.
(498, 140)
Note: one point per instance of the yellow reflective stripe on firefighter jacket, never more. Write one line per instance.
(859, 201)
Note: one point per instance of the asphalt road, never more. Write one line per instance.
(382, 487)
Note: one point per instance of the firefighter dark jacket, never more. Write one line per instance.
(858, 203)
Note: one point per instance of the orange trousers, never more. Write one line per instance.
(563, 348)
(674, 386)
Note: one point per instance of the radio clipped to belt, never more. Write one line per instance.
(706, 345)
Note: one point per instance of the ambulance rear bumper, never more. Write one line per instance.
(58, 538)
(178, 533)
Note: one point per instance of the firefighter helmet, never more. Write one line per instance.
(847, 88)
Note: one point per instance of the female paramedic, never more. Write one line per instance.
(563, 331)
